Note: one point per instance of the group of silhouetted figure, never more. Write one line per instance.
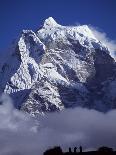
(76, 151)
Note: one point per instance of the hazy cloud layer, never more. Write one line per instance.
(102, 36)
(19, 134)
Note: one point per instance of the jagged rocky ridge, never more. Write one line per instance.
(59, 67)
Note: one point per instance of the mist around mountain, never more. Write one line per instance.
(22, 134)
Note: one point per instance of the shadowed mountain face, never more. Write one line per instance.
(59, 67)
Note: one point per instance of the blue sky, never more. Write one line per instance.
(16, 15)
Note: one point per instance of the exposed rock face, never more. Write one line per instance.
(59, 67)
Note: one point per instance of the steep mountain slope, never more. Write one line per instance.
(59, 67)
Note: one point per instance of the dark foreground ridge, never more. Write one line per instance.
(79, 151)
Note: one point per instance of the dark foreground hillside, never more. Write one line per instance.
(79, 151)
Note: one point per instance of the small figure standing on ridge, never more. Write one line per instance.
(70, 150)
(80, 148)
(75, 149)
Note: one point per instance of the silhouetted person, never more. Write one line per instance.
(75, 149)
(80, 148)
(70, 150)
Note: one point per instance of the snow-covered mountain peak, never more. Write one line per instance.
(50, 22)
(54, 34)
(58, 67)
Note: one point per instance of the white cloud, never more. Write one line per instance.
(19, 134)
(102, 36)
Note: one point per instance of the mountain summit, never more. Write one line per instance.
(59, 67)
(50, 22)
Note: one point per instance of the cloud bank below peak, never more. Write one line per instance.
(19, 133)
